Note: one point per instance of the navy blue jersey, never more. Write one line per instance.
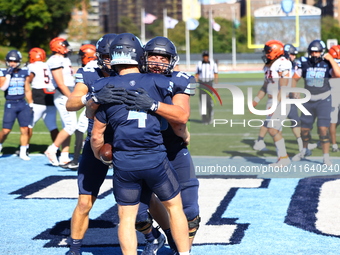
(16, 89)
(316, 75)
(183, 83)
(88, 75)
(135, 133)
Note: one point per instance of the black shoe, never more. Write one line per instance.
(70, 165)
(73, 253)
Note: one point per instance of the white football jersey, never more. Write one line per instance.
(42, 75)
(272, 76)
(58, 61)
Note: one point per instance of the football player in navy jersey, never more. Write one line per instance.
(87, 53)
(316, 70)
(139, 155)
(160, 56)
(91, 171)
(15, 82)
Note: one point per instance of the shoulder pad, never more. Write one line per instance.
(304, 59)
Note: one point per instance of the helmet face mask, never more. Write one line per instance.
(36, 54)
(87, 53)
(316, 46)
(156, 52)
(13, 56)
(103, 51)
(272, 50)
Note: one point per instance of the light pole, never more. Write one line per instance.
(233, 39)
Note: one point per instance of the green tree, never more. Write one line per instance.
(330, 29)
(127, 26)
(33, 23)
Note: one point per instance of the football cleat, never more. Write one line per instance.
(327, 162)
(335, 148)
(282, 161)
(151, 248)
(259, 146)
(24, 157)
(300, 155)
(52, 156)
(312, 146)
(70, 165)
(73, 253)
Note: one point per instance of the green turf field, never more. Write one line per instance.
(221, 140)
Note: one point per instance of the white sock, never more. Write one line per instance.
(184, 253)
(0, 146)
(23, 150)
(300, 143)
(303, 151)
(326, 156)
(64, 155)
(281, 148)
(53, 147)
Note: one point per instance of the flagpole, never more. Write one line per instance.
(211, 53)
(187, 45)
(165, 29)
(142, 28)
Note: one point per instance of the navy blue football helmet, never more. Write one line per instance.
(289, 49)
(103, 51)
(15, 56)
(160, 46)
(319, 46)
(126, 49)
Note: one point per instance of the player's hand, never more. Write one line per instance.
(109, 95)
(140, 100)
(10, 70)
(327, 56)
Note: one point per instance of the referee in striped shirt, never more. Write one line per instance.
(206, 75)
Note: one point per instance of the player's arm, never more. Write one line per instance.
(177, 113)
(335, 67)
(97, 136)
(77, 98)
(31, 77)
(261, 94)
(182, 131)
(59, 79)
(28, 91)
(4, 82)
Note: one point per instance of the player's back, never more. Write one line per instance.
(42, 75)
(136, 133)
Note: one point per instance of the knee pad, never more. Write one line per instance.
(193, 225)
(324, 138)
(144, 225)
(306, 138)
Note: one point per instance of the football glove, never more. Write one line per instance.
(10, 70)
(109, 95)
(140, 100)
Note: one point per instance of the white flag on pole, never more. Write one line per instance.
(149, 18)
(192, 24)
(215, 26)
(170, 22)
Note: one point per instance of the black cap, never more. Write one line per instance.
(205, 53)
